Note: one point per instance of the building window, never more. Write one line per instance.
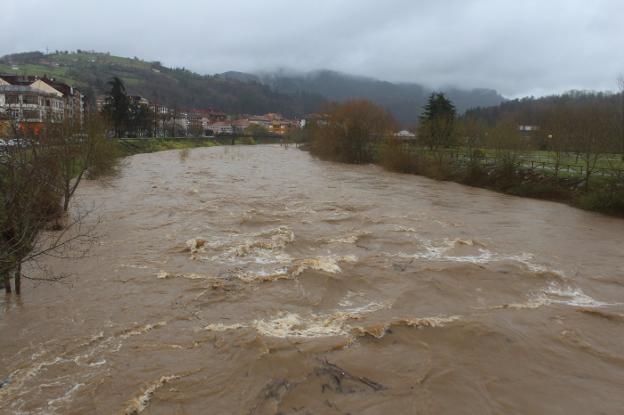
(31, 99)
(31, 114)
(12, 98)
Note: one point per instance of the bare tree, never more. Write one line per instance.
(74, 151)
(471, 135)
(38, 177)
(28, 200)
(555, 128)
(352, 132)
(505, 138)
(590, 130)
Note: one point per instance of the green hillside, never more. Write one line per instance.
(235, 92)
(90, 72)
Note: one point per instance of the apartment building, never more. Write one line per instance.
(29, 99)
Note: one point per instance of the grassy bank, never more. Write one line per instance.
(128, 147)
(131, 146)
(508, 174)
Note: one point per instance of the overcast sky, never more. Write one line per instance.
(519, 47)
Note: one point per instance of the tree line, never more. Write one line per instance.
(583, 128)
(39, 175)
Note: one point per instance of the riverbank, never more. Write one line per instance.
(506, 175)
(129, 147)
(604, 196)
(132, 146)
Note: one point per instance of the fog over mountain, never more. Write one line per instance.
(293, 94)
(518, 48)
(403, 100)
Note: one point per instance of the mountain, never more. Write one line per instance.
(90, 71)
(403, 100)
(533, 111)
(292, 94)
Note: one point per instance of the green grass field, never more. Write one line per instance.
(570, 164)
(59, 66)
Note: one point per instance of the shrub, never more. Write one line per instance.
(474, 172)
(352, 132)
(539, 189)
(246, 140)
(507, 165)
(394, 155)
(604, 200)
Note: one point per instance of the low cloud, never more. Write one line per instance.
(517, 47)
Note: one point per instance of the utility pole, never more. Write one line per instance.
(155, 115)
(175, 115)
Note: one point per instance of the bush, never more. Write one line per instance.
(440, 166)
(474, 173)
(604, 200)
(395, 156)
(539, 189)
(507, 165)
(352, 132)
(246, 140)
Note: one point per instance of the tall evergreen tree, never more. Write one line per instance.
(139, 119)
(117, 107)
(437, 122)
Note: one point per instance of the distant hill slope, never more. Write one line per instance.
(403, 100)
(90, 72)
(235, 92)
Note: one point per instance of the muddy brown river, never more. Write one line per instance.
(258, 280)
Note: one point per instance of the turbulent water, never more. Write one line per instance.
(257, 280)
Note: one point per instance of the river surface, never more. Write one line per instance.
(258, 280)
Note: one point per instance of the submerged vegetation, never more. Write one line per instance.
(571, 154)
(38, 178)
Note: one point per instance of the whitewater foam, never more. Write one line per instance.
(289, 324)
(327, 264)
(561, 295)
(142, 329)
(442, 252)
(138, 404)
(348, 239)
(163, 275)
(379, 330)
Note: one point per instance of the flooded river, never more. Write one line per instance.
(258, 280)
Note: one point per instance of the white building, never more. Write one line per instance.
(28, 104)
(36, 100)
(405, 134)
(221, 127)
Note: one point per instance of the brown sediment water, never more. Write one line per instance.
(258, 280)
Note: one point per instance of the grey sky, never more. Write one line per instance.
(518, 47)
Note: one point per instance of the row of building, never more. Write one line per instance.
(168, 121)
(272, 123)
(32, 101)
